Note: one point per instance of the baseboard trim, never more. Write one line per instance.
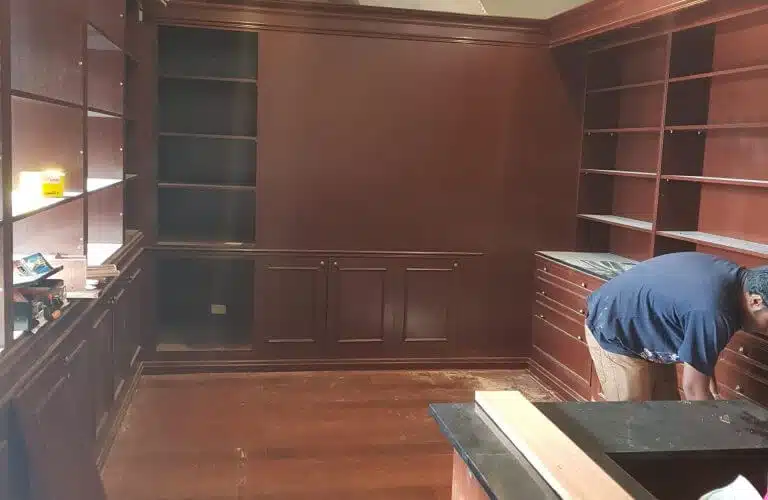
(181, 367)
(552, 382)
(115, 421)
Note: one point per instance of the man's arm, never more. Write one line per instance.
(713, 387)
(696, 385)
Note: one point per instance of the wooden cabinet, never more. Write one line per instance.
(290, 304)
(560, 353)
(341, 307)
(101, 367)
(362, 304)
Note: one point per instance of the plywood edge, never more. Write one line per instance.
(565, 466)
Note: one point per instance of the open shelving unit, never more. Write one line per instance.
(675, 141)
(207, 164)
(63, 107)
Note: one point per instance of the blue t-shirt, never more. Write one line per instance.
(680, 307)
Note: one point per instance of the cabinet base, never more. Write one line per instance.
(176, 367)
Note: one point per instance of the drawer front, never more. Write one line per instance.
(739, 381)
(749, 347)
(576, 304)
(580, 279)
(552, 312)
(569, 351)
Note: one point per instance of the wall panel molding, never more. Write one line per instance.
(351, 20)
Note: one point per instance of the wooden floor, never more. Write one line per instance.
(291, 436)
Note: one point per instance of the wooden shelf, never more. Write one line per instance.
(98, 113)
(620, 173)
(616, 220)
(18, 94)
(208, 136)
(218, 187)
(628, 130)
(209, 78)
(716, 241)
(718, 73)
(717, 180)
(628, 86)
(717, 126)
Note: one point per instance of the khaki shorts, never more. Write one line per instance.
(624, 378)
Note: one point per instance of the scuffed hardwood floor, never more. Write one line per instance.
(294, 436)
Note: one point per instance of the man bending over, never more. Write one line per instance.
(676, 308)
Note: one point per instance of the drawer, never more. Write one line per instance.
(576, 304)
(740, 381)
(554, 314)
(750, 347)
(580, 279)
(563, 347)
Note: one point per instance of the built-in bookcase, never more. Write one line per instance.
(207, 95)
(207, 164)
(676, 141)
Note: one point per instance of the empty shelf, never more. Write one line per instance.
(617, 220)
(725, 242)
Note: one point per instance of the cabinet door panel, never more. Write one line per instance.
(61, 465)
(78, 364)
(429, 293)
(563, 347)
(47, 48)
(120, 341)
(360, 308)
(102, 368)
(290, 297)
(576, 303)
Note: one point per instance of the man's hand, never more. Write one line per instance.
(713, 387)
(696, 385)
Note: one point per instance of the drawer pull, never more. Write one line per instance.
(544, 269)
(737, 388)
(540, 316)
(583, 285)
(581, 311)
(580, 338)
(741, 349)
(543, 293)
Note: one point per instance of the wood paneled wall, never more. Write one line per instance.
(387, 133)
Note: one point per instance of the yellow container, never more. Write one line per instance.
(52, 183)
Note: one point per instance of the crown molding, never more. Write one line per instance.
(343, 17)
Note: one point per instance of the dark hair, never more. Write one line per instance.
(756, 281)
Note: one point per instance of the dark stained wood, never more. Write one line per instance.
(290, 304)
(351, 20)
(105, 148)
(361, 305)
(63, 148)
(105, 215)
(60, 230)
(106, 80)
(108, 16)
(47, 39)
(600, 16)
(62, 463)
(345, 434)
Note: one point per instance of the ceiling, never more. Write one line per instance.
(532, 9)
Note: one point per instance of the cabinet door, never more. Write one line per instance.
(136, 287)
(120, 341)
(427, 323)
(102, 367)
(78, 362)
(362, 306)
(60, 464)
(290, 305)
